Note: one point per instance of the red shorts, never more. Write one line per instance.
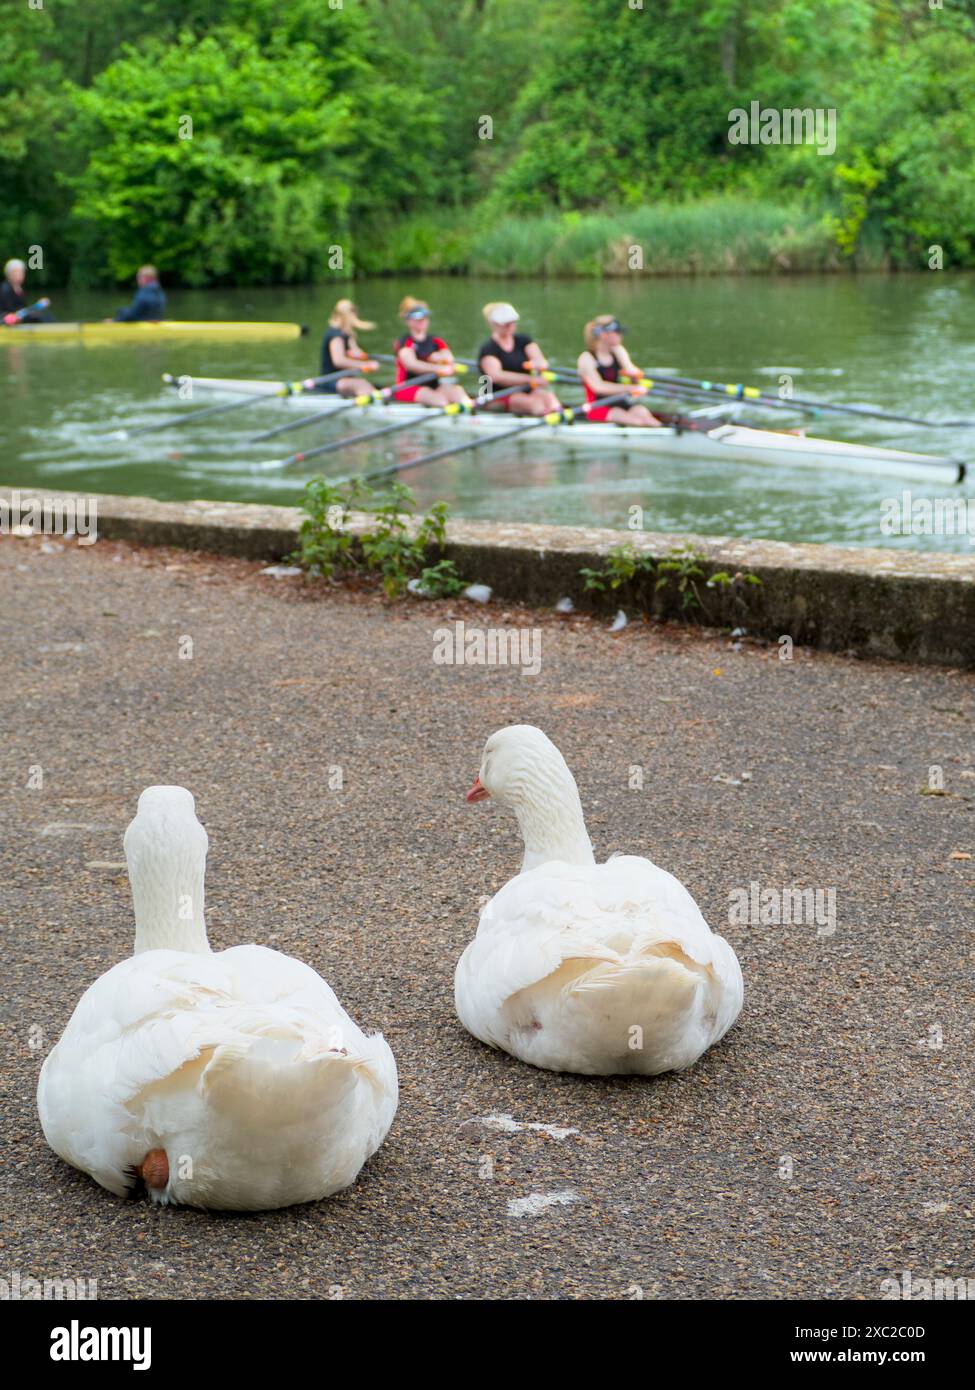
(600, 413)
(405, 393)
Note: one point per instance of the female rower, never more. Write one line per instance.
(418, 354)
(503, 359)
(600, 368)
(340, 351)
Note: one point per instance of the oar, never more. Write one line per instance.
(740, 392)
(20, 314)
(555, 417)
(380, 397)
(527, 367)
(657, 386)
(460, 364)
(288, 388)
(454, 408)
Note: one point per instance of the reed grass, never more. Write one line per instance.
(712, 236)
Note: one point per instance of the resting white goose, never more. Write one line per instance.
(232, 1080)
(585, 967)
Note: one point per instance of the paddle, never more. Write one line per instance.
(528, 367)
(382, 396)
(20, 314)
(740, 392)
(555, 417)
(454, 408)
(288, 388)
(459, 364)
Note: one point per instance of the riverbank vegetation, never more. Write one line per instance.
(250, 142)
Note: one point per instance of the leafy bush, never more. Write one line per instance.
(390, 548)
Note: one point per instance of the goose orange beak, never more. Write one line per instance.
(478, 792)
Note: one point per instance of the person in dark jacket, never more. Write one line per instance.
(149, 303)
(13, 300)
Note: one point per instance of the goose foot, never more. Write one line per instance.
(154, 1169)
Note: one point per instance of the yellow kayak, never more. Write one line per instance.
(127, 332)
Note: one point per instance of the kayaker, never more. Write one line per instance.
(600, 368)
(148, 304)
(340, 350)
(418, 353)
(502, 358)
(13, 299)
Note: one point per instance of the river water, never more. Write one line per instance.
(900, 343)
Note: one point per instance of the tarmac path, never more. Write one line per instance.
(825, 1145)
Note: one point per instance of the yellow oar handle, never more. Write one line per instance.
(738, 392)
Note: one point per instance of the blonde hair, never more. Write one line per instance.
(14, 265)
(410, 303)
(589, 332)
(345, 316)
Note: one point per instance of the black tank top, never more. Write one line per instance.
(328, 364)
(611, 372)
(513, 361)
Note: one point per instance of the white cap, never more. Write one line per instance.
(503, 313)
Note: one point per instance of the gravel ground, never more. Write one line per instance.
(824, 1145)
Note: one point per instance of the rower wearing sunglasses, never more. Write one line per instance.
(418, 354)
(600, 368)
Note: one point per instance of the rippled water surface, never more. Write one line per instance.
(901, 343)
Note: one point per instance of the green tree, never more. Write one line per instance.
(215, 160)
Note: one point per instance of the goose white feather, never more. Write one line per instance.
(585, 967)
(241, 1067)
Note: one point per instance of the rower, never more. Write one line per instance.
(148, 303)
(418, 353)
(340, 351)
(600, 368)
(503, 359)
(13, 300)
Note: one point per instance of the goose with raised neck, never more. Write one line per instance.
(523, 770)
(242, 1059)
(576, 966)
(166, 854)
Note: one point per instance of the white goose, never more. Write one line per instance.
(586, 967)
(233, 1080)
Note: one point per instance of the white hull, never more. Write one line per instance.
(730, 443)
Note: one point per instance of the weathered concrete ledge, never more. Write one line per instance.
(907, 605)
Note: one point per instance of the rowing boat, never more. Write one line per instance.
(725, 442)
(127, 332)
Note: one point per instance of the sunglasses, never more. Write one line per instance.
(614, 326)
(417, 314)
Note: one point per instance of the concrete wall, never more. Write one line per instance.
(909, 605)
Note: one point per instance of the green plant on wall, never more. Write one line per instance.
(682, 571)
(395, 546)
